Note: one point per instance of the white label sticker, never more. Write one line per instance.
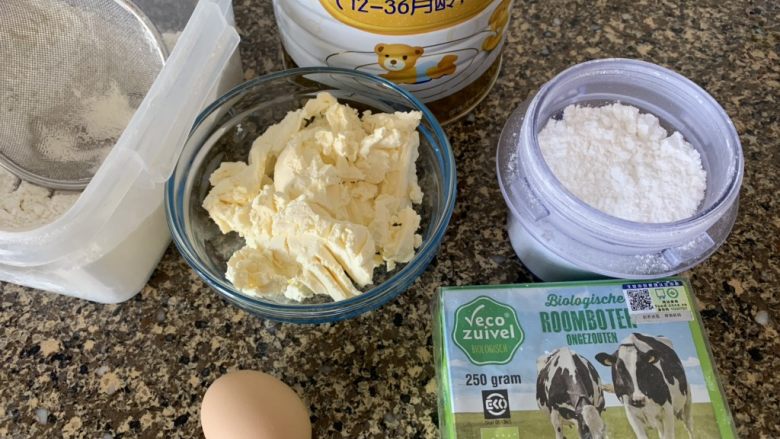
(657, 302)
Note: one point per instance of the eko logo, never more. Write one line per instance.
(495, 404)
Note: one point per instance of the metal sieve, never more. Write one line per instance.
(72, 74)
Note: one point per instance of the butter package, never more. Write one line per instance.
(600, 359)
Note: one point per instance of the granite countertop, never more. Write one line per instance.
(76, 369)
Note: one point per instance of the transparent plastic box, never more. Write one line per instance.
(558, 236)
(106, 246)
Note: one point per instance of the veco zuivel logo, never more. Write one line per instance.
(488, 332)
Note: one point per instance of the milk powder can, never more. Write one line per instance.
(446, 52)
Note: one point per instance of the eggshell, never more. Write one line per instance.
(253, 405)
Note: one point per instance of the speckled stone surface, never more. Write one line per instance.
(139, 369)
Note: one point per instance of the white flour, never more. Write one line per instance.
(90, 133)
(76, 115)
(624, 163)
(86, 138)
(77, 118)
(25, 206)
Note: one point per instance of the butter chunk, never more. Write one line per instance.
(394, 227)
(301, 224)
(261, 272)
(324, 198)
(230, 200)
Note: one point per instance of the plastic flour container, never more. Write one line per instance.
(107, 245)
(559, 237)
(446, 52)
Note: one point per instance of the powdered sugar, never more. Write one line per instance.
(624, 163)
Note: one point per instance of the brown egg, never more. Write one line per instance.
(253, 405)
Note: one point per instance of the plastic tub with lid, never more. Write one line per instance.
(558, 236)
(105, 247)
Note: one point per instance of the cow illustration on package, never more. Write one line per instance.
(649, 380)
(569, 390)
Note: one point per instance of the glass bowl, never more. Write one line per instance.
(225, 132)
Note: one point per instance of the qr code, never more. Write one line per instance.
(639, 300)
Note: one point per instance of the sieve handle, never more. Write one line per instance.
(160, 127)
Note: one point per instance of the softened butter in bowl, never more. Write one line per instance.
(226, 132)
(324, 198)
(253, 405)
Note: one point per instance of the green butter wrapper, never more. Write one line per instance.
(602, 359)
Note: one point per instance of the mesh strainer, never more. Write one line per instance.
(71, 76)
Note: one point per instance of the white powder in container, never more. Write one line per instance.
(25, 206)
(87, 137)
(624, 163)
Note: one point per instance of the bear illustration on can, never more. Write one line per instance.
(497, 24)
(403, 64)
